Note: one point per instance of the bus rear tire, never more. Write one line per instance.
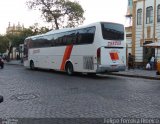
(1, 99)
(32, 65)
(2, 66)
(69, 69)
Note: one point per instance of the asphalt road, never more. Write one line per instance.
(48, 94)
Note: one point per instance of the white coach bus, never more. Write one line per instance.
(96, 48)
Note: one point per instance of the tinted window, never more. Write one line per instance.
(70, 37)
(42, 41)
(111, 31)
(82, 36)
(58, 39)
(85, 36)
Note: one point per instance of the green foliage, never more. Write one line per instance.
(17, 39)
(38, 30)
(4, 43)
(63, 13)
(14, 40)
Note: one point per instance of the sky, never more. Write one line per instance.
(16, 11)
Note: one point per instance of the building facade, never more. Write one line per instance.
(129, 39)
(128, 29)
(145, 29)
(14, 29)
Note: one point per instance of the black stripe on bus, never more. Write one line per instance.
(114, 47)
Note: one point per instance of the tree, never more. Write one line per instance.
(63, 13)
(17, 39)
(4, 43)
(38, 30)
(10, 40)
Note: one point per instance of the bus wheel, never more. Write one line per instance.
(1, 99)
(2, 66)
(32, 65)
(69, 69)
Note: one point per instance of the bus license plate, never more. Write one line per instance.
(113, 66)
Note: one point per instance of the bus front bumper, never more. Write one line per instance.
(110, 68)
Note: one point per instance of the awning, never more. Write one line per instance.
(155, 45)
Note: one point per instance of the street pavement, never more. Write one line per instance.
(137, 73)
(43, 94)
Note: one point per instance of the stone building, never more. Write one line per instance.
(14, 29)
(128, 29)
(145, 29)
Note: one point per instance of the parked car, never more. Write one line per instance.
(1, 63)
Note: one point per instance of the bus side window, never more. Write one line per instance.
(48, 40)
(78, 38)
(53, 40)
(56, 40)
(71, 38)
(65, 38)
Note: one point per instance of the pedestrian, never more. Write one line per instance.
(17, 57)
(130, 61)
(152, 62)
(148, 66)
(1, 63)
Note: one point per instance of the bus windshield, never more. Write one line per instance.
(112, 31)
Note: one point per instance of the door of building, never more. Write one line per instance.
(148, 52)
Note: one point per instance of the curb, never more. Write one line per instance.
(136, 76)
(116, 74)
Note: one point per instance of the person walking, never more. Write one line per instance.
(152, 62)
(130, 61)
(1, 63)
(148, 66)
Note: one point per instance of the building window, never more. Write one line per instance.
(149, 15)
(158, 13)
(139, 16)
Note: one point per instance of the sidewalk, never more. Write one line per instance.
(14, 62)
(139, 73)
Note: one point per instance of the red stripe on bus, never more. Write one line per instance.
(66, 56)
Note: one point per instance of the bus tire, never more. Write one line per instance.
(69, 68)
(32, 65)
(1, 99)
(2, 66)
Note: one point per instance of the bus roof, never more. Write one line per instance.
(34, 36)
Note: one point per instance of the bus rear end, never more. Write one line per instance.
(111, 55)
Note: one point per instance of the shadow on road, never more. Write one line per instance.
(81, 75)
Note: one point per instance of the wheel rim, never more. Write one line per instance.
(32, 65)
(69, 69)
